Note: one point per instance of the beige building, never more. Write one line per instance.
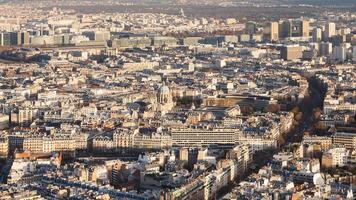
(325, 142)
(203, 137)
(291, 52)
(258, 143)
(153, 141)
(81, 141)
(33, 144)
(305, 28)
(49, 144)
(25, 116)
(348, 140)
(242, 154)
(4, 146)
(64, 144)
(123, 139)
(103, 143)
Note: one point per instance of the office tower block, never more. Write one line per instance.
(337, 40)
(330, 30)
(271, 31)
(285, 29)
(291, 52)
(300, 28)
(5, 39)
(188, 155)
(25, 38)
(19, 38)
(305, 28)
(325, 48)
(294, 28)
(317, 35)
(339, 53)
(250, 28)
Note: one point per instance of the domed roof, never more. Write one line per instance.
(164, 90)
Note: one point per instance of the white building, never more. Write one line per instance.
(339, 156)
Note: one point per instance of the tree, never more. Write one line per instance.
(299, 116)
(320, 126)
(317, 113)
(273, 108)
(295, 110)
(247, 110)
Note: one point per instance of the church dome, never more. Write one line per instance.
(164, 90)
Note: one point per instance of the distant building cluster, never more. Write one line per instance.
(290, 176)
(161, 175)
(160, 106)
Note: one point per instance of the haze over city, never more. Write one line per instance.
(178, 99)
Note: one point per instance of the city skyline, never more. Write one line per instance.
(178, 100)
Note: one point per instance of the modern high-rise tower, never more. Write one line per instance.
(330, 30)
(317, 35)
(271, 31)
(305, 28)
